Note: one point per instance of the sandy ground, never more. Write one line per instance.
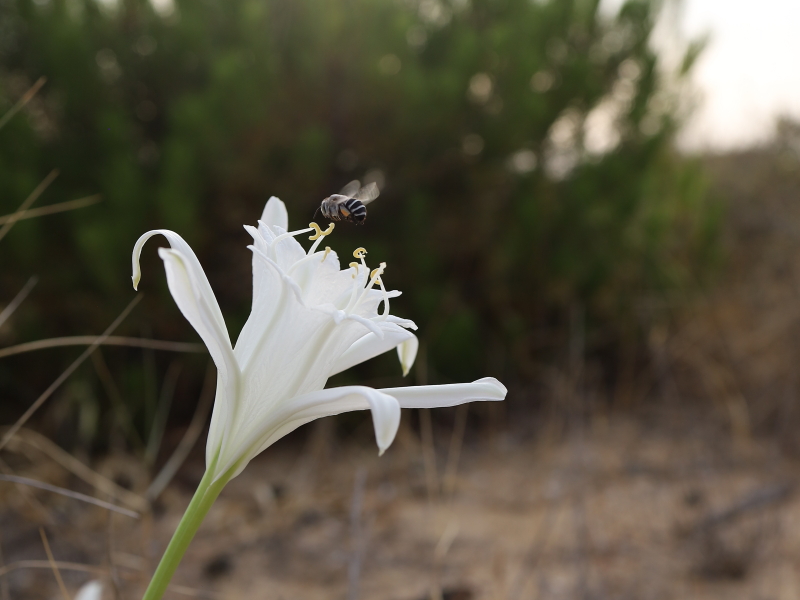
(664, 505)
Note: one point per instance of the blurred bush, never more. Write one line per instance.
(525, 149)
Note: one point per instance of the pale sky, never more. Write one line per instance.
(749, 73)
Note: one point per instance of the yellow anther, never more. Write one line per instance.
(376, 272)
(327, 251)
(354, 265)
(319, 233)
(359, 253)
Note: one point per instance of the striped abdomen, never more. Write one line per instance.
(358, 212)
(344, 209)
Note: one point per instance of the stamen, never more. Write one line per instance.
(319, 233)
(360, 253)
(318, 236)
(354, 265)
(385, 299)
(283, 236)
(374, 276)
(308, 257)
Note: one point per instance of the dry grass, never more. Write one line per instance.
(738, 345)
(665, 505)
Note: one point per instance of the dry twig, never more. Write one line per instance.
(26, 97)
(34, 195)
(80, 470)
(18, 299)
(454, 453)
(162, 413)
(28, 495)
(94, 570)
(357, 535)
(752, 501)
(69, 370)
(91, 340)
(45, 564)
(112, 566)
(4, 591)
(53, 565)
(51, 209)
(121, 413)
(188, 441)
(68, 493)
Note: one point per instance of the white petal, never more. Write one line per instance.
(309, 407)
(275, 214)
(286, 252)
(286, 349)
(335, 401)
(90, 591)
(281, 329)
(407, 323)
(194, 306)
(270, 292)
(198, 275)
(189, 287)
(371, 345)
(407, 353)
(436, 396)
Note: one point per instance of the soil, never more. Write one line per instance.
(663, 504)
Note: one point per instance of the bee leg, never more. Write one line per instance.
(315, 213)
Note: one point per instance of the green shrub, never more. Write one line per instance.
(503, 207)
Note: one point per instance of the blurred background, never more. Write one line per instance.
(594, 202)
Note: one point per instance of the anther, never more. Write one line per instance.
(359, 253)
(327, 251)
(319, 233)
(354, 265)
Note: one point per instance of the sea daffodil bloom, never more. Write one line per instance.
(309, 320)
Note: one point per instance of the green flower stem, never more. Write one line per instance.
(207, 492)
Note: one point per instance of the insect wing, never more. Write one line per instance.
(368, 193)
(351, 189)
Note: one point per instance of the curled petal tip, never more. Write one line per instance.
(136, 274)
(407, 353)
(501, 389)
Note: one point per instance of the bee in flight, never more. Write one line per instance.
(350, 203)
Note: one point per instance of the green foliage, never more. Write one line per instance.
(505, 204)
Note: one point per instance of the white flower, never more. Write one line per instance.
(309, 320)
